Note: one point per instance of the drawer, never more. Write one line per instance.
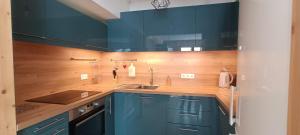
(61, 129)
(191, 104)
(177, 129)
(47, 125)
(182, 117)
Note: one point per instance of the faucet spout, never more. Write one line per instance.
(151, 78)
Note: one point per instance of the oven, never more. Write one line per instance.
(88, 119)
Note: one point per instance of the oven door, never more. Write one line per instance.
(91, 123)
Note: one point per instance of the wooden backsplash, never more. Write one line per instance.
(168, 66)
(44, 69)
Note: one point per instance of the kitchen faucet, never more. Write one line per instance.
(151, 72)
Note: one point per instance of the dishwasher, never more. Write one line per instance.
(88, 119)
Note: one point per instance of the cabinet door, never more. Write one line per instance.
(109, 115)
(63, 24)
(157, 30)
(182, 28)
(224, 127)
(57, 124)
(169, 29)
(217, 26)
(140, 114)
(127, 114)
(29, 19)
(126, 34)
(68, 27)
(153, 114)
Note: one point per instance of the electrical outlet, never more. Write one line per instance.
(187, 76)
(84, 76)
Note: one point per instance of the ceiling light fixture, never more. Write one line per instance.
(160, 4)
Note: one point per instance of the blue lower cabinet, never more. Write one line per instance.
(57, 125)
(183, 117)
(109, 115)
(177, 129)
(223, 123)
(153, 114)
(140, 114)
(190, 115)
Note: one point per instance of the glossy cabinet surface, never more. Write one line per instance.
(51, 22)
(58, 125)
(191, 115)
(170, 29)
(202, 28)
(29, 17)
(217, 26)
(151, 114)
(126, 34)
(223, 123)
(109, 115)
(138, 114)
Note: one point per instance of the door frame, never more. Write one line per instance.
(7, 90)
(294, 90)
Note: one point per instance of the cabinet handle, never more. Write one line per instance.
(146, 97)
(231, 117)
(191, 100)
(220, 108)
(59, 131)
(52, 123)
(188, 114)
(186, 129)
(110, 105)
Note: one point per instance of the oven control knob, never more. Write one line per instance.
(81, 110)
(95, 104)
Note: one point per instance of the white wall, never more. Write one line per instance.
(146, 4)
(263, 64)
(114, 6)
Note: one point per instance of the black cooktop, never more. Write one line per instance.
(65, 97)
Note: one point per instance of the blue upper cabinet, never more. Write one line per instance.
(29, 17)
(170, 29)
(126, 34)
(204, 27)
(156, 30)
(217, 26)
(74, 29)
(51, 22)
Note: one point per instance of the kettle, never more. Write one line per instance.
(225, 79)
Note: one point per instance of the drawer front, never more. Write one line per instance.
(181, 117)
(191, 104)
(176, 129)
(47, 125)
(61, 129)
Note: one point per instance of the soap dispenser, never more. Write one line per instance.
(131, 70)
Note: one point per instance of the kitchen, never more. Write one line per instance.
(149, 67)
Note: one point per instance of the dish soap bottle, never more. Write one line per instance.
(131, 70)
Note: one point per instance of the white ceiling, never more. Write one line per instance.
(145, 4)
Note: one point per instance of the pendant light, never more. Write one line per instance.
(160, 4)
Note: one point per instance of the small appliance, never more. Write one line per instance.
(226, 78)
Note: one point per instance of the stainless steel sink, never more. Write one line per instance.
(150, 87)
(138, 86)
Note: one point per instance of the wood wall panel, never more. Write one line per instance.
(205, 65)
(45, 69)
(7, 90)
(294, 91)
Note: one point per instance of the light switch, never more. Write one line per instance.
(84, 76)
